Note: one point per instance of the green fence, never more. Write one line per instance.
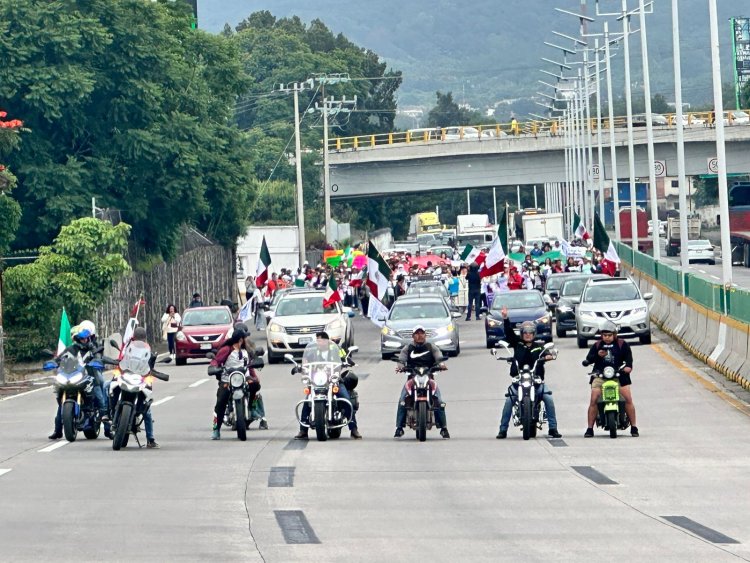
(739, 305)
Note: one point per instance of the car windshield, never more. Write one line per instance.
(517, 300)
(555, 282)
(573, 287)
(206, 317)
(312, 305)
(611, 292)
(407, 311)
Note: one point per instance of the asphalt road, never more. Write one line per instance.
(679, 491)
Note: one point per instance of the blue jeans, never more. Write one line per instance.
(549, 406)
(440, 418)
(344, 394)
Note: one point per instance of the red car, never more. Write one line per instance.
(203, 330)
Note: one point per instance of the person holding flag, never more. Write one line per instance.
(262, 271)
(610, 260)
(579, 231)
(494, 262)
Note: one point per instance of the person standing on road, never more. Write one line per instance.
(170, 324)
(474, 281)
(197, 301)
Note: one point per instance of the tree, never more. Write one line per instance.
(129, 105)
(447, 113)
(10, 210)
(76, 271)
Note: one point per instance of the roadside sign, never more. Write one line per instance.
(713, 165)
(594, 172)
(660, 168)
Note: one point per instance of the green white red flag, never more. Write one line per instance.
(332, 294)
(378, 273)
(495, 260)
(264, 263)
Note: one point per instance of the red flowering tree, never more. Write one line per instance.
(10, 211)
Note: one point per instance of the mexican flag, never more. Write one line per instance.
(378, 273)
(300, 280)
(472, 254)
(605, 246)
(494, 262)
(64, 340)
(578, 229)
(332, 294)
(264, 261)
(356, 279)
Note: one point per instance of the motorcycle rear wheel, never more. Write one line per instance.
(527, 420)
(123, 425)
(612, 423)
(422, 421)
(69, 421)
(93, 433)
(321, 413)
(239, 415)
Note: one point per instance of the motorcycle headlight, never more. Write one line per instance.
(76, 378)
(180, 336)
(609, 372)
(335, 325)
(132, 378)
(276, 327)
(61, 379)
(320, 378)
(237, 379)
(388, 331)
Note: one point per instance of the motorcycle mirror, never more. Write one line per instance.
(289, 358)
(166, 360)
(353, 349)
(257, 363)
(49, 353)
(502, 343)
(210, 355)
(114, 343)
(549, 345)
(259, 351)
(49, 366)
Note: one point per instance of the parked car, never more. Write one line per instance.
(454, 133)
(657, 120)
(432, 313)
(203, 330)
(438, 250)
(493, 134)
(662, 228)
(701, 251)
(737, 118)
(523, 305)
(298, 316)
(692, 119)
(613, 299)
(570, 296)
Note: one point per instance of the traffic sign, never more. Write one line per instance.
(713, 165)
(660, 168)
(594, 172)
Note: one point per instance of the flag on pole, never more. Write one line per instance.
(64, 340)
(356, 279)
(494, 262)
(137, 307)
(606, 247)
(264, 261)
(376, 311)
(246, 311)
(578, 229)
(332, 294)
(300, 280)
(472, 254)
(378, 273)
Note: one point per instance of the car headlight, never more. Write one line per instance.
(388, 331)
(229, 333)
(444, 330)
(544, 320)
(335, 325)
(588, 314)
(639, 310)
(276, 327)
(180, 336)
(493, 322)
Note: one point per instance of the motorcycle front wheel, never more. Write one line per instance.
(527, 418)
(239, 415)
(69, 421)
(612, 423)
(321, 413)
(123, 424)
(93, 432)
(422, 421)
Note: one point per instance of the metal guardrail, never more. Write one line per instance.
(552, 127)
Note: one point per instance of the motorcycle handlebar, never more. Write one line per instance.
(160, 375)
(110, 361)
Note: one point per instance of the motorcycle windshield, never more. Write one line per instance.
(70, 365)
(321, 351)
(136, 358)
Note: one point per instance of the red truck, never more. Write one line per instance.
(645, 242)
(739, 222)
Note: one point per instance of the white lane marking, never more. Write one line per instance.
(702, 271)
(53, 447)
(4, 471)
(162, 401)
(200, 382)
(714, 277)
(25, 393)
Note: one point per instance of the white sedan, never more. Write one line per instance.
(701, 251)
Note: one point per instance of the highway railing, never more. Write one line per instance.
(518, 129)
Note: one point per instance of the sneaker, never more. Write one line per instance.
(553, 433)
(301, 435)
(356, 435)
(216, 435)
(502, 435)
(108, 433)
(55, 436)
(589, 433)
(634, 431)
(263, 424)
(399, 432)
(468, 318)
(445, 434)
(105, 417)
(152, 444)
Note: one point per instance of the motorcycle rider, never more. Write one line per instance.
(84, 341)
(526, 351)
(420, 353)
(233, 354)
(139, 335)
(614, 352)
(327, 351)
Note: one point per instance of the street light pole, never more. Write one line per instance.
(629, 113)
(682, 180)
(612, 146)
(298, 166)
(600, 150)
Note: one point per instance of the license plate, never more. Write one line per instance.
(205, 346)
(305, 340)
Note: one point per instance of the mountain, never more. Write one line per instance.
(490, 50)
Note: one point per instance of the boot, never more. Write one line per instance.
(216, 430)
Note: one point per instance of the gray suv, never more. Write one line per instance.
(613, 299)
(429, 311)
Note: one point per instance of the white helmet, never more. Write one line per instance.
(87, 325)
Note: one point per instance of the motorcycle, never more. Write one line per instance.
(421, 401)
(611, 413)
(237, 415)
(528, 407)
(131, 393)
(321, 380)
(75, 388)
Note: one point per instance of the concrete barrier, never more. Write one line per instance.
(734, 362)
(707, 344)
(695, 329)
(674, 316)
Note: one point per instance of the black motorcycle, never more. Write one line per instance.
(421, 401)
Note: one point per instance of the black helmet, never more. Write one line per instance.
(528, 327)
(240, 331)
